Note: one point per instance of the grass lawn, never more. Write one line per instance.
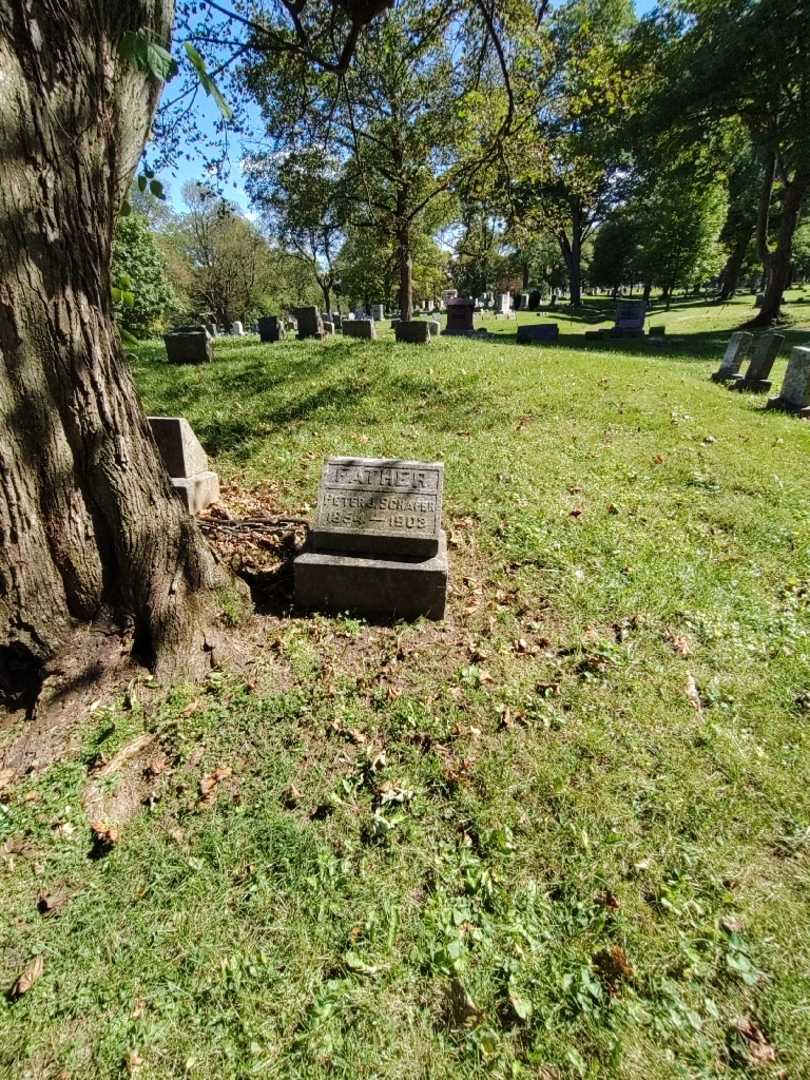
(565, 833)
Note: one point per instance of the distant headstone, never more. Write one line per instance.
(378, 312)
(460, 316)
(270, 328)
(629, 319)
(523, 303)
(359, 328)
(337, 320)
(795, 393)
(186, 462)
(415, 331)
(760, 299)
(538, 332)
(309, 323)
(657, 331)
(736, 352)
(328, 328)
(237, 330)
(434, 326)
(377, 547)
(757, 377)
(448, 295)
(503, 304)
(188, 345)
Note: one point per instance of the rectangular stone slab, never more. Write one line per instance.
(736, 351)
(379, 506)
(359, 328)
(178, 445)
(414, 331)
(757, 377)
(197, 492)
(540, 332)
(375, 588)
(795, 393)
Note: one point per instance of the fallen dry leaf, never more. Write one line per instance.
(461, 1009)
(759, 1049)
(105, 836)
(211, 781)
(28, 978)
(693, 694)
(679, 642)
(6, 776)
(132, 1061)
(51, 903)
(613, 966)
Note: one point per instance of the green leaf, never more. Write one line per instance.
(156, 188)
(521, 1005)
(206, 81)
(136, 47)
(126, 208)
(159, 62)
(141, 183)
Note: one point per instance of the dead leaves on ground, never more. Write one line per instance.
(211, 782)
(613, 967)
(760, 1051)
(28, 978)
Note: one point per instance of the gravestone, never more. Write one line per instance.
(309, 322)
(795, 393)
(460, 316)
(328, 328)
(378, 312)
(186, 462)
(337, 320)
(629, 318)
(237, 330)
(503, 305)
(757, 377)
(657, 331)
(188, 345)
(359, 328)
(539, 332)
(523, 303)
(434, 326)
(211, 327)
(270, 328)
(415, 331)
(377, 547)
(448, 295)
(760, 299)
(736, 352)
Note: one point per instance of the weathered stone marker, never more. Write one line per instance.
(503, 305)
(736, 352)
(378, 312)
(186, 462)
(377, 546)
(237, 330)
(415, 331)
(756, 379)
(328, 328)
(541, 332)
(359, 328)
(188, 345)
(434, 326)
(795, 393)
(309, 323)
(460, 316)
(270, 328)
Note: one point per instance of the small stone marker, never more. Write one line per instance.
(309, 323)
(657, 331)
(270, 328)
(540, 332)
(736, 352)
(188, 345)
(359, 328)
(503, 305)
(460, 316)
(377, 546)
(756, 379)
(186, 462)
(328, 328)
(237, 330)
(337, 320)
(435, 327)
(415, 331)
(795, 393)
(378, 312)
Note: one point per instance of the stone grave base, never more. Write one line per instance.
(789, 407)
(415, 331)
(754, 386)
(543, 332)
(401, 588)
(196, 492)
(723, 376)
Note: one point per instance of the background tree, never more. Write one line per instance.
(137, 256)
(299, 198)
(615, 260)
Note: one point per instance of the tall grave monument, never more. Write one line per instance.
(377, 547)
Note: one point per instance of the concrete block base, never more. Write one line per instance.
(399, 588)
(414, 331)
(197, 492)
(788, 406)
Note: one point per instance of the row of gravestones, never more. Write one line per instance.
(794, 395)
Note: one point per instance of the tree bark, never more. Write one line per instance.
(88, 524)
(405, 274)
(572, 253)
(730, 276)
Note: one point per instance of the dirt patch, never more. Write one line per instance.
(121, 785)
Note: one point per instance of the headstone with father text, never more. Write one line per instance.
(377, 547)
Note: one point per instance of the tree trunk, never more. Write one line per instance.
(405, 275)
(779, 261)
(327, 296)
(647, 291)
(88, 524)
(730, 276)
(526, 274)
(572, 253)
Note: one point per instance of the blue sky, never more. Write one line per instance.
(234, 188)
